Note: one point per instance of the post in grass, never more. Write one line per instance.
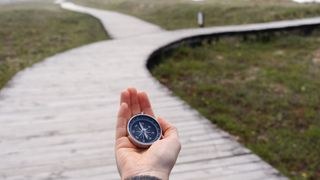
(200, 17)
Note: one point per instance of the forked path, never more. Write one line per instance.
(57, 118)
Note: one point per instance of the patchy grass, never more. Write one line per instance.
(31, 32)
(176, 14)
(263, 91)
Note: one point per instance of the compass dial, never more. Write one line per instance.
(143, 130)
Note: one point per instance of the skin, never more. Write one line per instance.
(160, 157)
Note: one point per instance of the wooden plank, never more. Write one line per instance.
(232, 171)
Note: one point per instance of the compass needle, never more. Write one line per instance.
(141, 126)
(146, 135)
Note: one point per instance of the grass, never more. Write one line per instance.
(177, 14)
(30, 32)
(265, 92)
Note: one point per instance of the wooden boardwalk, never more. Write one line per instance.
(57, 118)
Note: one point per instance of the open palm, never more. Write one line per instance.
(160, 157)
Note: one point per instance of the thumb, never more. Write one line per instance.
(168, 130)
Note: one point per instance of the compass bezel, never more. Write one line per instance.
(137, 142)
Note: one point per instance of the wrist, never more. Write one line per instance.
(154, 175)
(143, 177)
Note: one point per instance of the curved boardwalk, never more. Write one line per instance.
(57, 118)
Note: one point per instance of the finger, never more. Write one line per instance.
(135, 106)
(145, 104)
(168, 130)
(125, 98)
(123, 117)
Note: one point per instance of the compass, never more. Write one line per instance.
(143, 130)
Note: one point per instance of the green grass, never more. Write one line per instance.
(265, 92)
(31, 32)
(177, 14)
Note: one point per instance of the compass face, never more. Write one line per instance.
(144, 130)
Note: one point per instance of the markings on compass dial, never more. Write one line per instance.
(145, 130)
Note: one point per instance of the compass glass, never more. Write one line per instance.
(144, 129)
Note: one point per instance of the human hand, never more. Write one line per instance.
(160, 157)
